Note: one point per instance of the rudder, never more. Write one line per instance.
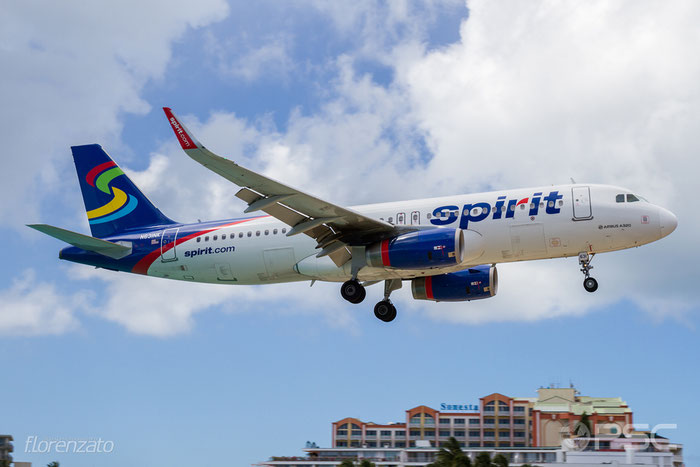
(112, 202)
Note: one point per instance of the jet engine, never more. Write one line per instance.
(471, 284)
(423, 249)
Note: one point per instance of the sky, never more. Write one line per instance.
(402, 100)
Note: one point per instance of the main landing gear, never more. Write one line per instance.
(354, 292)
(589, 283)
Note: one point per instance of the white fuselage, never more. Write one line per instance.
(580, 218)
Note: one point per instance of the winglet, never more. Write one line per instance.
(187, 141)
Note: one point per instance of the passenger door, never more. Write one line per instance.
(581, 196)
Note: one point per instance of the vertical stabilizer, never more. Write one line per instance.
(112, 201)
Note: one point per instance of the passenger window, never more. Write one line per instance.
(512, 207)
(223, 237)
(240, 235)
(550, 204)
(561, 203)
(215, 237)
(620, 198)
(284, 230)
(250, 234)
(206, 239)
(267, 232)
(632, 198)
(391, 220)
(257, 234)
(199, 239)
(428, 216)
(532, 205)
(274, 231)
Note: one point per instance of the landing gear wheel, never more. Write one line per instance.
(353, 291)
(385, 311)
(590, 284)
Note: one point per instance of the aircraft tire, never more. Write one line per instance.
(590, 284)
(353, 291)
(385, 311)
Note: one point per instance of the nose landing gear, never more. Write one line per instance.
(589, 283)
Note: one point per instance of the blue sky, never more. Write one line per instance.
(403, 101)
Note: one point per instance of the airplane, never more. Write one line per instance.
(447, 247)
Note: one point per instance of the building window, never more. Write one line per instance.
(445, 433)
(503, 445)
(459, 433)
(489, 421)
(400, 433)
(429, 433)
(490, 433)
(518, 408)
(357, 432)
(400, 444)
(341, 433)
(371, 432)
(341, 444)
(371, 444)
(415, 433)
(488, 444)
(474, 444)
(459, 421)
(519, 421)
(519, 434)
(504, 434)
(354, 444)
(473, 421)
(385, 433)
(444, 421)
(474, 433)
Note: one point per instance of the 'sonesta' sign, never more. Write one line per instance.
(460, 407)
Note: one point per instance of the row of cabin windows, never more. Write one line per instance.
(241, 234)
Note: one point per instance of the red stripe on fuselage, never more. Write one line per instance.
(91, 175)
(385, 253)
(429, 287)
(142, 266)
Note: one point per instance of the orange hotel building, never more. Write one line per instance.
(498, 421)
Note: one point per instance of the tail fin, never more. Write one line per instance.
(112, 201)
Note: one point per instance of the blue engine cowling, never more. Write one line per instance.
(471, 284)
(423, 249)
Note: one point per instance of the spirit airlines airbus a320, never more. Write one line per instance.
(446, 247)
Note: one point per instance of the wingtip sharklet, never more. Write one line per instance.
(187, 141)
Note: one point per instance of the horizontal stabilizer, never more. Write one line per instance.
(103, 247)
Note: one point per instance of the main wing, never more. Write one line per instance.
(334, 228)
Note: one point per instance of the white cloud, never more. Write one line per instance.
(30, 307)
(69, 74)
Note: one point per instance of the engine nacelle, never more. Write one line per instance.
(471, 284)
(423, 249)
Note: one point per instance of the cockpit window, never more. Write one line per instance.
(620, 198)
(631, 198)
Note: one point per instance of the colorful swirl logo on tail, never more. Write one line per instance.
(121, 205)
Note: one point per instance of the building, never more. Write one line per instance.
(542, 430)
(6, 448)
(497, 421)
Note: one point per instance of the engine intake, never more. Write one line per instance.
(471, 284)
(423, 249)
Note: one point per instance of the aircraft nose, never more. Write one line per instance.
(667, 221)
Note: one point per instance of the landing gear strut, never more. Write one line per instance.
(385, 310)
(589, 283)
(353, 291)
